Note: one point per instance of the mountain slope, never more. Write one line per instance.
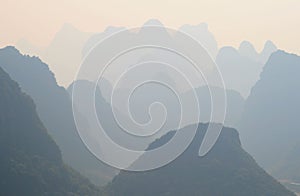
(269, 127)
(63, 54)
(226, 170)
(31, 162)
(54, 108)
(234, 104)
(241, 68)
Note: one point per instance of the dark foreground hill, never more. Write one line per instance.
(30, 161)
(226, 170)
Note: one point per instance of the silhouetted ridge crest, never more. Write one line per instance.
(226, 170)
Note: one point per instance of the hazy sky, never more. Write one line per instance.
(231, 21)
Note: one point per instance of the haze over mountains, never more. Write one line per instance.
(270, 122)
(65, 53)
(262, 103)
(241, 68)
(227, 167)
(55, 111)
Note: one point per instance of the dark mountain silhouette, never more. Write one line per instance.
(31, 162)
(226, 170)
(270, 129)
(54, 109)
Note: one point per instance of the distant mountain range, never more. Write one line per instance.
(241, 68)
(66, 51)
(63, 54)
(140, 102)
(246, 49)
(262, 103)
(268, 129)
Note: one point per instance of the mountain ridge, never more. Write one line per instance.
(226, 170)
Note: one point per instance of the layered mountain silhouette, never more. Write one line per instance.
(31, 162)
(97, 37)
(63, 54)
(268, 80)
(241, 68)
(66, 51)
(209, 96)
(270, 123)
(139, 104)
(246, 49)
(54, 108)
(203, 36)
(105, 116)
(226, 170)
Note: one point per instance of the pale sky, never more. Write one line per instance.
(231, 21)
